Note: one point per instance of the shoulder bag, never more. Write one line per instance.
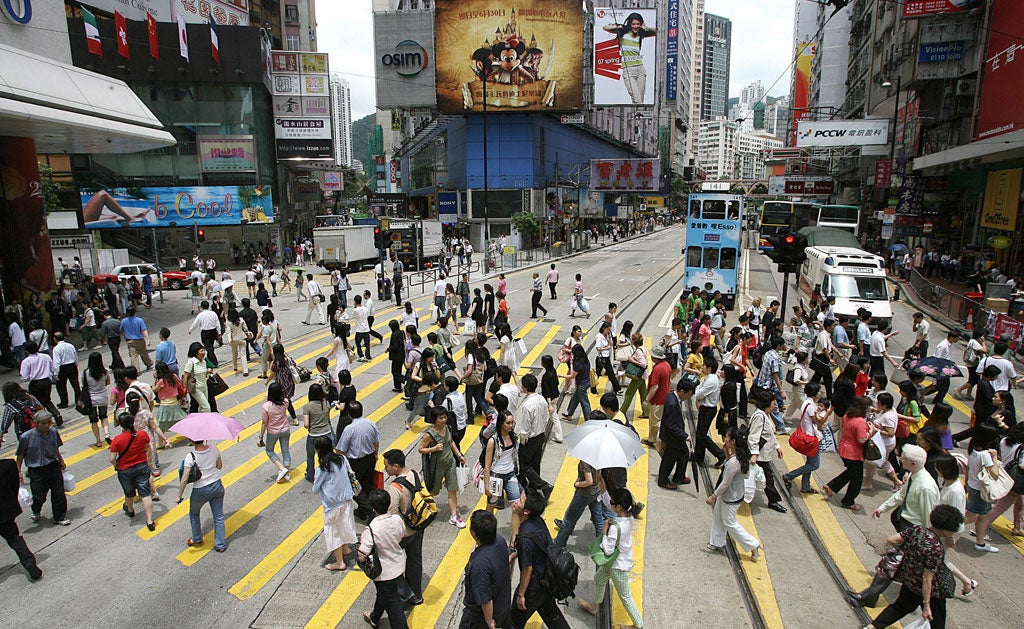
(1013, 469)
(194, 473)
(131, 440)
(597, 552)
(84, 402)
(802, 442)
(371, 566)
(993, 489)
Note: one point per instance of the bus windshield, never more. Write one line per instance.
(855, 287)
(839, 214)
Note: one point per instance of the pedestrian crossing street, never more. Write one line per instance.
(274, 559)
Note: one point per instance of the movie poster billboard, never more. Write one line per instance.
(805, 54)
(999, 111)
(182, 206)
(625, 59)
(525, 55)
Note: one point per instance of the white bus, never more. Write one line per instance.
(845, 217)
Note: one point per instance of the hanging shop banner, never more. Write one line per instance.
(625, 175)
(625, 56)
(805, 53)
(181, 206)
(1002, 198)
(911, 195)
(332, 181)
(842, 133)
(1000, 110)
(922, 8)
(227, 153)
(672, 51)
(883, 173)
(525, 55)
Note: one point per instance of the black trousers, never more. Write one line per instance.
(42, 389)
(551, 285)
(67, 373)
(397, 373)
(387, 601)
(702, 440)
(412, 582)
(674, 457)
(535, 304)
(48, 479)
(9, 531)
(114, 343)
(603, 364)
(363, 341)
(363, 469)
(209, 338)
(530, 454)
(770, 489)
(374, 333)
(908, 601)
(538, 600)
(822, 372)
(852, 477)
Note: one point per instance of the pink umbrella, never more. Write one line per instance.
(208, 427)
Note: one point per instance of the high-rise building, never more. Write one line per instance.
(267, 15)
(717, 48)
(341, 118)
(726, 153)
(829, 73)
(685, 124)
(299, 19)
(696, 74)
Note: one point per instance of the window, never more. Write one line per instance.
(714, 209)
(710, 258)
(694, 209)
(291, 13)
(291, 42)
(728, 259)
(693, 256)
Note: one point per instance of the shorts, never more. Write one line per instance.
(511, 491)
(96, 413)
(134, 480)
(972, 375)
(975, 504)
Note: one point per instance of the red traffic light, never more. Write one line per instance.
(376, 231)
(790, 239)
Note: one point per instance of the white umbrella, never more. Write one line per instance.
(226, 284)
(604, 443)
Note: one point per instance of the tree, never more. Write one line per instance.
(759, 189)
(51, 200)
(526, 224)
(737, 189)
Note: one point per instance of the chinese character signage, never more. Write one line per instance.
(284, 62)
(921, 8)
(672, 50)
(227, 153)
(525, 55)
(1000, 110)
(302, 128)
(883, 173)
(625, 175)
(302, 105)
(911, 195)
(625, 47)
(1002, 196)
(842, 133)
(809, 186)
(314, 63)
(183, 206)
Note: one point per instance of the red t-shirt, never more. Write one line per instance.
(137, 453)
(860, 384)
(661, 375)
(850, 446)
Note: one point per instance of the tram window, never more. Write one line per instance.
(693, 256)
(734, 210)
(728, 259)
(714, 209)
(710, 258)
(694, 209)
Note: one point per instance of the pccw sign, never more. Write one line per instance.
(842, 133)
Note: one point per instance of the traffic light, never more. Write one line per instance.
(378, 238)
(201, 235)
(787, 249)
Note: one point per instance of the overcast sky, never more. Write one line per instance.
(762, 36)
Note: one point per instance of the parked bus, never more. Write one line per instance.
(713, 226)
(783, 217)
(840, 217)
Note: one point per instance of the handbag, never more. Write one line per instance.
(993, 489)
(215, 384)
(877, 439)
(564, 354)
(194, 473)
(889, 564)
(804, 443)
(623, 353)
(634, 370)
(1013, 469)
(945, 582)
(871, 451)
(371, 566)
(827, 443)
(597, 553)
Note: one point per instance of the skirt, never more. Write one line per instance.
(340, 526)
(167, 414)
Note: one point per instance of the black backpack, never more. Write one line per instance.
(562, 572)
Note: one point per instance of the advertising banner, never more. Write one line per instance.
(805, 53)
(1000, 110)
(231, 12)
(302, 128)
(313, 63)
(1002, 198)
(883, 173)
(332, 181)
(672, 51)
(282, 62)
(227, 153)
(287, 84)
(315, 85)
(403, 45)
(287, 107)
(525, 55)
(842, 133)
(911, 195)
(625, 175)
(939, 52)
(625, 56)
(809, 186)
(182, 206)
(922, 8)
(448, 207)
(301, 103)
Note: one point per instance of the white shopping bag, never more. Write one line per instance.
(917, 623)
(470, 328)
(69, 481)
(463, 476)
(755, 480)
(522, 346)
(24, 498)
(877, 438)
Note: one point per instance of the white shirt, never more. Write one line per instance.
(197, 275)
(16, 334)
(923, 329)
(64, 353)
(362, 318)
(368, 304)
(205, 320)
(708, 391)
(603, 346)
(877, 344)
(1006, 371)
(511, 391)
(313, 289)
(944, 349)
(533, 415)
(439, 287)
(250, 277)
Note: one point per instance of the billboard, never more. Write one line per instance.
(625, 175)
(231, 12)
(672, 51)
(448, 207)
(808, 185)
(301, 105)
(1002, 196)
(842, 133)
(999, 111)
(403, 47)
(526, 55)
(805, 53)
(227, 153)
(625, 56)
(182, 206)
(921, 8)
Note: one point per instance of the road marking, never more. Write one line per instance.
(757, 573)
(272, 563)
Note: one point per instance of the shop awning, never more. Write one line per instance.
(990, 150)
(71, 110)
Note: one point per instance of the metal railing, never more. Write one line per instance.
(955, 306)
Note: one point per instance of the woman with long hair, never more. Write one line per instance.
(132, 457)
(509, 356)
(275, 427)
(270, 335)
(396, 354)
(629, 37)
(603, 344)
(239, 336)
(281, 373)
(728, 497)
(885, 422)
(332, 482)
(165, 389)
(501, 462)
(340, 349)
(982, 457)
(843, 389)
(579, 374)
(96, 383)
(1011, 452)
(489, 306)
(549, 389)
(812, 418)
(617, 536)
(316, 417)
(194, 376)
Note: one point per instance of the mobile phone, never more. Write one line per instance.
(260, 443)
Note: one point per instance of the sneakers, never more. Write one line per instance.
(64, 522)
(457, 522)
(36, 516)
(282, 474)
(986, 548)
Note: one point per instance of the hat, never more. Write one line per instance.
(915, 454)
(658, 352)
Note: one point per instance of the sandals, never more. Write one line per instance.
(98, 444)
(333, 567)
(190, 543)
(130, 514)
(809, 490)
(853, 507)
(366, 617)
(827, 492)
(968, 592)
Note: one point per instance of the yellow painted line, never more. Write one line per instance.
(757, 573)
(535, 353)
(343, 597)
(271, 564)
(1003, 526)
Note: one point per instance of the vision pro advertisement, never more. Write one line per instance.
(181, 206)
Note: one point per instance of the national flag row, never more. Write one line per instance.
(92, 35)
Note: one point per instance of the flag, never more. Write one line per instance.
(154, 43)
(182, 38)
(92, 33)
(214, 41)
(121, 26)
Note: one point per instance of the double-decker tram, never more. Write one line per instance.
(712, 250)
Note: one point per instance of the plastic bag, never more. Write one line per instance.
(917, 623)
(463, 475)
(24, 498)
(69, 481)
(755, 480)
(469, 329)
(877, 438)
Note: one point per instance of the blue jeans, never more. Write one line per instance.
(780, 423)
(804, 470)
(271, 440)
(582, 399)
(573, 513)
(464, 306)
(213, 494)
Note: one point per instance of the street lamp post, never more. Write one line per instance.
(892, 145)
(487, 228)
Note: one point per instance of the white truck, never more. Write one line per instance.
(413, 240)
(346, 247)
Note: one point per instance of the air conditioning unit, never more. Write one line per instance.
(965, 87)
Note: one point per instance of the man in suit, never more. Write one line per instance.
(673, 436)
(10, 509)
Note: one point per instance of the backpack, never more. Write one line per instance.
(25, 421)
(422, 508)
(562, 571)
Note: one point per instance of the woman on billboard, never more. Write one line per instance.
(629, 37)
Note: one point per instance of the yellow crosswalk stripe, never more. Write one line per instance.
(272, 562)
(758, 577)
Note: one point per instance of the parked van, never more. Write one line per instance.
(854, 277)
